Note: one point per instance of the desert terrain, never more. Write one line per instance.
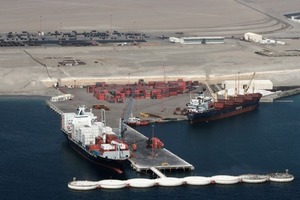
(21, 71)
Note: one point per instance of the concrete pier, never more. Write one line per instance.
(144, 158)
(280, 94)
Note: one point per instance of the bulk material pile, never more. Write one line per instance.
(173, 181)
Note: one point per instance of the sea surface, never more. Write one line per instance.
(37, 163)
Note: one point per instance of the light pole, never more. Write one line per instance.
(164, 72)
(110, 24)
(40, 25)
(128, 79)
(74, 92)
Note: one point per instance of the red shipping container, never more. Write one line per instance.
(173, 93)
(151, 83)
(159, 96)
(123, 95)
(94, 147)
(219, 105)
(100, 97)
(91, 89)
(110, 137)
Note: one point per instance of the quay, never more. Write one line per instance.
(145, 159)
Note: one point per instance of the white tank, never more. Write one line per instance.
(197, 180)
(225, 179)
(141, 182)
(169, 181)
(112, 184)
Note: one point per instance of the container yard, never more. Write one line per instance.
(141, 90)
(154, 101)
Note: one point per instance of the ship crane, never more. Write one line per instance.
(246, 87)
(126, 113)
(129, 105)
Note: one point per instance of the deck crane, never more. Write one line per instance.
(246, 87)
(128, 109)
(129, 105)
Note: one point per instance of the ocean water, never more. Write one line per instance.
(37, 163)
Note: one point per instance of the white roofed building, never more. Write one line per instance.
(256, 84)
(253, 37)
(197, 40)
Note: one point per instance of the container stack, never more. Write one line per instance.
(114, 93)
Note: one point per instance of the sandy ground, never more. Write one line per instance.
(20, 74)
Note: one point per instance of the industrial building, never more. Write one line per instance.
(294, 17)
(256, 84)
(253, 37)
(197, 40)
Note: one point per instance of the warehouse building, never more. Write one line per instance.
(256, 84)
(197, 40)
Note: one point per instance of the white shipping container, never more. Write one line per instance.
(107, 147)
(88, 142)
(121, 145)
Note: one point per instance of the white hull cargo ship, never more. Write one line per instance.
(94, 140)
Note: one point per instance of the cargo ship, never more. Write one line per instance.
(205, 109)
(93, 140)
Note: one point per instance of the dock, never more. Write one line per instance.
(145, 159)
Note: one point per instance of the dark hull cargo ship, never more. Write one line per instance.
(204, 109)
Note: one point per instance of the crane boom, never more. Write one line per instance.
(129, 105)
(248, 86)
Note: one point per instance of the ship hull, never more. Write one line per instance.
(216, 114)
(116, 166)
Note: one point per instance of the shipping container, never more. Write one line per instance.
(229, 102)
(219, 105)
(173, 93)
(91, 88)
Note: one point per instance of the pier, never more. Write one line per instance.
(145, 159)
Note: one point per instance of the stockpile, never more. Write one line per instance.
(152, 90)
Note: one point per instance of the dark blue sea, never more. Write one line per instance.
(37, 163)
